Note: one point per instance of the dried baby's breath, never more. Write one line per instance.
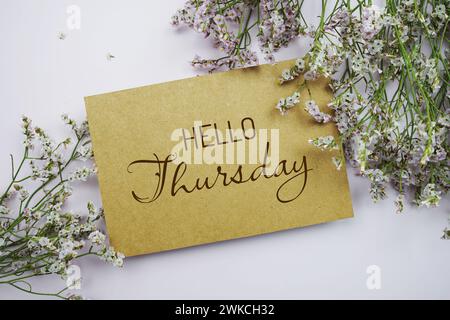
(389, 74)
(38, 234)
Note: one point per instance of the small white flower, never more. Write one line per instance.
(286, 75)
(44, 242)
(300, 64)
(285, 104)
(310, 75)
(97, 237)
(440, 12)
(444, 120)
(111, 256)
(399, 203)
(371, 22)
(56, 267)
(81, 174)
(378, 181)
(375, 47)
(324, 143)
(219, 20)
(37, 215)
(54, 218)
(85, 152)
(429, 196)
(28, 131)
(313, 109)
(118, 261)
(175, 20)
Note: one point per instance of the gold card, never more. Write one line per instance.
(209, 158)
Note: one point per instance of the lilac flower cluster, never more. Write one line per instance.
(38, 236)
(229, 24)
(280, 22)
(313, 109)
(389, 74)
(388, 70)
(286, 103)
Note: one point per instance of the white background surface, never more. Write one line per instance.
(43, 77)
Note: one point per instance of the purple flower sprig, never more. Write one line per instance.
(389, 72)
(39, 235)
(230, 25)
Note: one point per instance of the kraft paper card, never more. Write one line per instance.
(209, 158)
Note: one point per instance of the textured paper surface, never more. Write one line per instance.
(137, 124)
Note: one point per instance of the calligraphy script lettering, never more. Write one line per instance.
(297, 173)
